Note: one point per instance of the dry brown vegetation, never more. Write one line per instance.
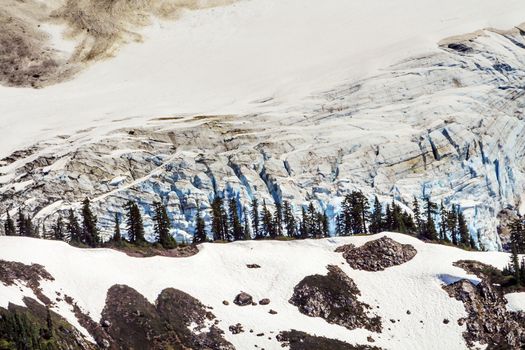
(99, 27)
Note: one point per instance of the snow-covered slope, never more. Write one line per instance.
(218, 272)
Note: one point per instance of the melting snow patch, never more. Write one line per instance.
(450, 279)
(117, 180)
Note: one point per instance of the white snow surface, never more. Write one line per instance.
(218, 272)
(516, 301)
(224, 59)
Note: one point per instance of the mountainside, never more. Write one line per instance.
(406, 305)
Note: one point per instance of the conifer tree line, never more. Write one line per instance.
(231, 221)
(83, 230)
(516, 267)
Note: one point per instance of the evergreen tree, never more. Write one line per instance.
(134, 224)
(89, 225)
(444, 218)
(430, 227)
(463, 231)
(389, 219)
(268, 227)
(237, 231)
(219, 220)
(517, 235)
(278, 219)
(325, 226)
(255, 218)
(376, 223)
(162, 227)
(290, 223)
(312, 219)
(58, 230)
(246, 226)
(73, 227)
(418, 221)
(21, 224)
(9, 226)
(117, 236)
(452, 224)
(304, 224)
(200, 228)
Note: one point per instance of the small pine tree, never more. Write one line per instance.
(246, 226)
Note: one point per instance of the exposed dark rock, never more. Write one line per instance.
(137, 324)
(272, 311)
(488, 321)
(30, 275)
(377, 255)
(243, 299)
(446, 321)
(253, 266)
(236, 329)
(297, 340)
(334, 298)
(459, 47)
(264, 301)
(225, 302)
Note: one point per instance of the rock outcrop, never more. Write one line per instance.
(177, 320)
(334, 298)
(29, 275)
(377, 255)
(296, 340)
(488, 321)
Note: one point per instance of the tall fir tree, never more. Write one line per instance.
(290, 223)
(200, 228)
(268, 227)
(117, 236)
(430, 226)
(89, 225)
(134, 224)
(236, 229)
(219, 220)
(73, 227)
(255, 219)
(463, 230)
(162, 227)
(376, 222)
(278, 219)
(58, 230)
(246, 224)
(9, 226)
(418, 220)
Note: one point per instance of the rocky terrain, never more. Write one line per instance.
(334, 297)
(377, 255)
(488, 321)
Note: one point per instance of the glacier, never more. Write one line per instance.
(447, 124)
